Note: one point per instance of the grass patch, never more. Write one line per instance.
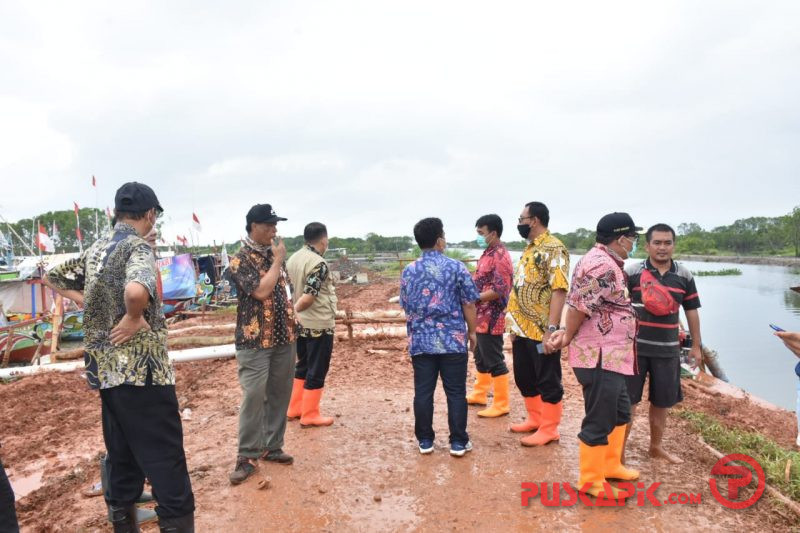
(770, 455)
(721, 272)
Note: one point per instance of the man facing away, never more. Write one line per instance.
(315, 305)
(438, 296)
(126, 359)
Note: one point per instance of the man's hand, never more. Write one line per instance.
(557, 341)
(278, 250)
(791, 339)
(473, 341)
(695, 356)
(545, 346)
(127, 328)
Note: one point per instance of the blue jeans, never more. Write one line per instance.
(453, 369)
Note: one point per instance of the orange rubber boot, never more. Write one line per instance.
(483, 382)
(592, 464)
(500, 405)
(534, 408)
(548, 430)
(311, 416)
(614, 469)
(296, 403)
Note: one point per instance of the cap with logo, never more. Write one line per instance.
(617, 224)
(263, 213)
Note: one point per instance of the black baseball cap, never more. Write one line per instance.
(617, 224)
(134, 197)
(263, 213)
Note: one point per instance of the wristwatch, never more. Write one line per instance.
(552, 329)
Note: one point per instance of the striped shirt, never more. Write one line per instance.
(658, 335)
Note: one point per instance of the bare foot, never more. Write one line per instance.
(661, 453)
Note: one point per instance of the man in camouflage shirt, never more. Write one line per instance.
(126, 359)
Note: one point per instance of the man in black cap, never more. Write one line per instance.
(126, 359)
(266, 332)
(600, 330)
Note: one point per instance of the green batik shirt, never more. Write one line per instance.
(102, 272)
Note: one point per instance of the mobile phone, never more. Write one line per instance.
(540, 348)
(776, 328)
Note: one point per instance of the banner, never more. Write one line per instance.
(177, 277)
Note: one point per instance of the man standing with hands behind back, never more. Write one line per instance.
(265, 342)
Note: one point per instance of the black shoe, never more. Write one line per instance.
(181, 524)
(244, 469)
(278, 456)
(124, 519)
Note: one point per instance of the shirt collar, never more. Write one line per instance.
(538, 240)
(672, 267)
(310, 247)
(617, 259)
(124, 227)
(426, 253)
(260, 248)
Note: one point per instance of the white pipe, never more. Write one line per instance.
(176, 356)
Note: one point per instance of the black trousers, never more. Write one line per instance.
(606, 403)
(536, 373)
(489, 358)
(144, 437)
(313, 360)
(8, 515)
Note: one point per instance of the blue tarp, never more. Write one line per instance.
(177, 277)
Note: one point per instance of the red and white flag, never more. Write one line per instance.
(196, 222)
(44, 242)
(94, 182)
(108, 214)
(183, 240)
(76, 208)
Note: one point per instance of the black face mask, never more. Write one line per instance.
(524, 230)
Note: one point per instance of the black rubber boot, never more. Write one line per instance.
(143, 516)
(181, 524)
(124, 518)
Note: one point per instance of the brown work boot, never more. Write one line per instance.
(278, 456)
(244, 469)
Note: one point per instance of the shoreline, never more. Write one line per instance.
(742, 259)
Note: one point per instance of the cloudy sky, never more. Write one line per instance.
(370, 115)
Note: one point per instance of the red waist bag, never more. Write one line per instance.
(656, 298)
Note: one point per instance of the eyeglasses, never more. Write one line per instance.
(520, 219)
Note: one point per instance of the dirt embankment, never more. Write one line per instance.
(364, 472)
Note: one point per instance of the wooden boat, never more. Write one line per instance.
(23, 347)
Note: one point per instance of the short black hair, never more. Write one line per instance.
(427, 231)
(492, 223)
(127, 215)
(659, 227)
(314, 231)
(540, 211)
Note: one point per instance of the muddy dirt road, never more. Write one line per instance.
(364, 473)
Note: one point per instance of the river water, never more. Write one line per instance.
(734, 320)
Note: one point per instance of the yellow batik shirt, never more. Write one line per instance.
(542, 269)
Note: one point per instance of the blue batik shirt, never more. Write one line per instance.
(432, 290)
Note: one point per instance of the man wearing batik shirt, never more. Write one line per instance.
(438, 296)
(600, 330)
(126, 358)
(315, 306)
(265, 342)
(493, 279)
(534, 310)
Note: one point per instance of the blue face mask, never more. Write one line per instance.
(481, 240)
(633, 247)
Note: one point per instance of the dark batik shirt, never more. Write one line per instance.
(261, 324)
(101, 272)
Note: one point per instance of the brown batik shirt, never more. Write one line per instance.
(260, 324)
